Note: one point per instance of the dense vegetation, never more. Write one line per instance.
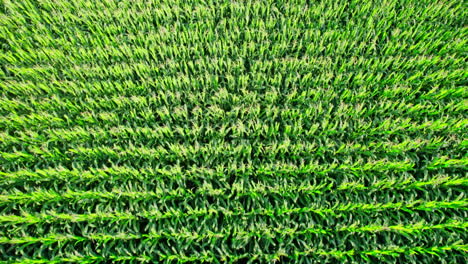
(233, 131)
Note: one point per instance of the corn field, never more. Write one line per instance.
(249, 131)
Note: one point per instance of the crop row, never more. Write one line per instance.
(39, 195)
(204, 212)
(240, 235)
(205, 257)
(215, 154)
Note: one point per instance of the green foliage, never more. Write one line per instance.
(260, 131)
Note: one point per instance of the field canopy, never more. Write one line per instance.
(171, 131)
